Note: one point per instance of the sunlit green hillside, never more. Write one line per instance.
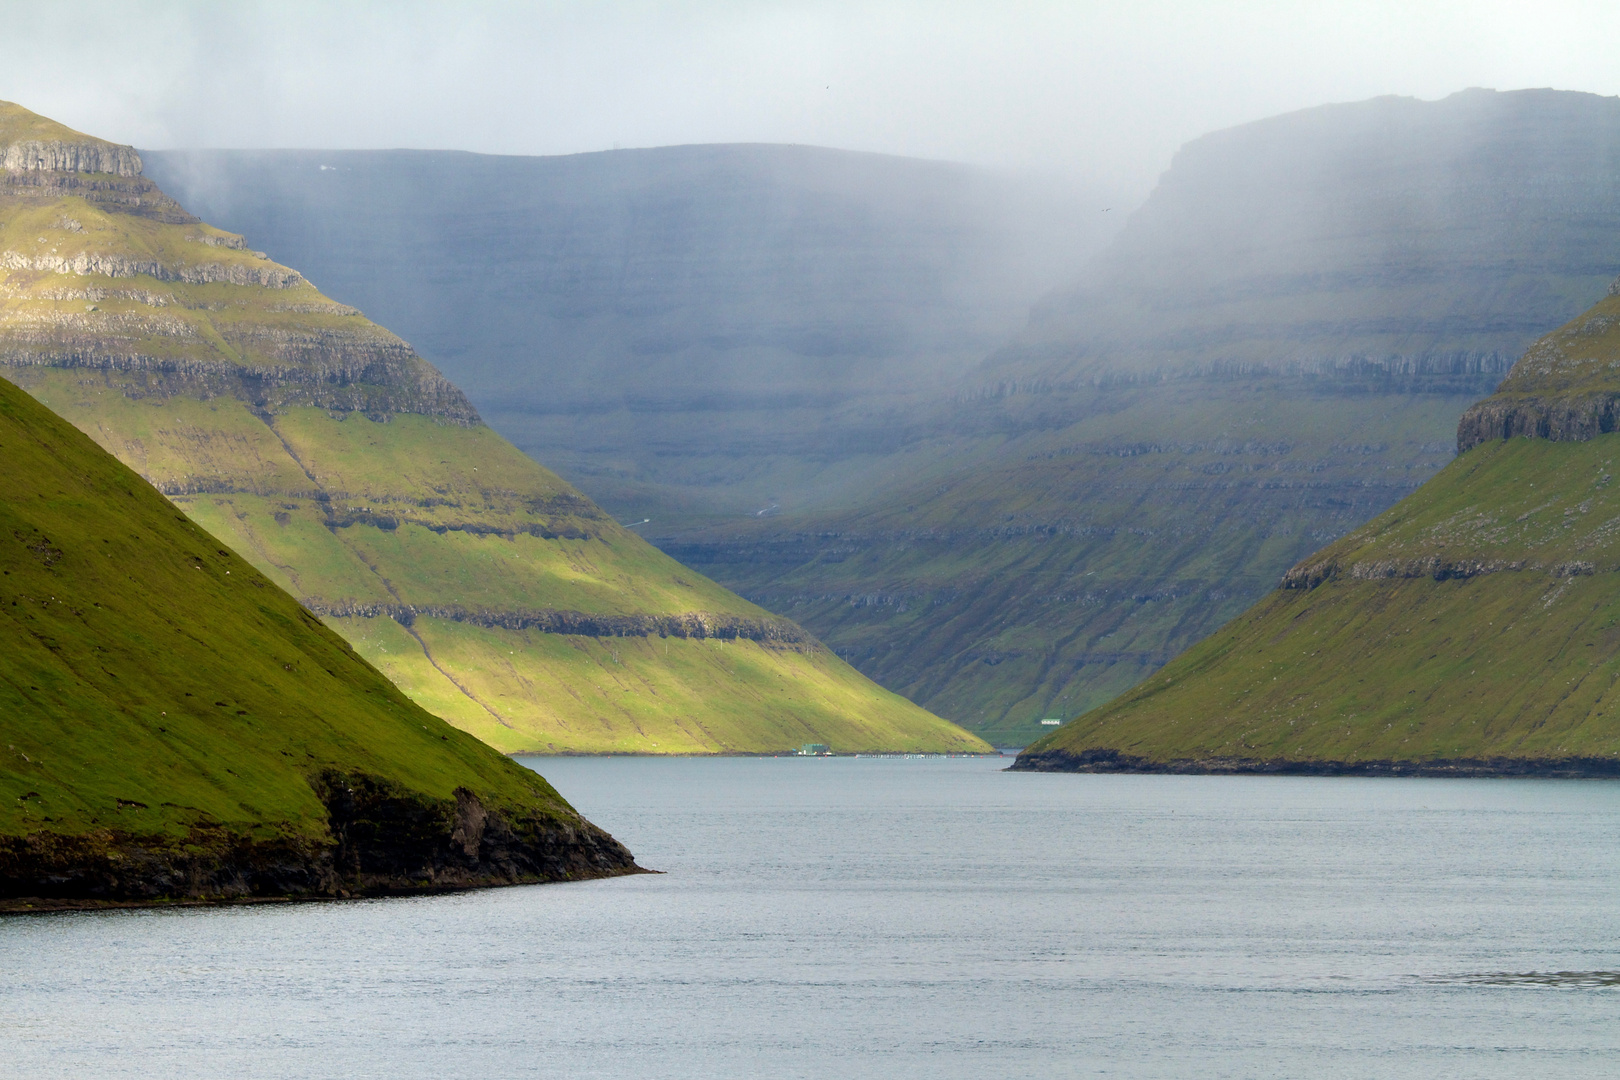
(174, 725)
(344, 467)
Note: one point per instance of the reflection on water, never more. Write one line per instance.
(839, 918)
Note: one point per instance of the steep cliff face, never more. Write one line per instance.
(177, 728)
(1394, 235)
(177, 311)
(1472, 629)
(87, 156)
(33, 143)
(325, 450)
(676, 327)
(41, 159)
(1566, 387)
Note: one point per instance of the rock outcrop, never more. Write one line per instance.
(86, 156)
(1562, 418)
(696, 625)
(384, 840)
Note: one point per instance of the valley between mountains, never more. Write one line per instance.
(1004, 495)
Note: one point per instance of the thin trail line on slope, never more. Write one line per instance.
(427, 653)
(268, 421)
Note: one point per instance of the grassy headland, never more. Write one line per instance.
(174, 726)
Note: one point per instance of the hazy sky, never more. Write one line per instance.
(1105, 90)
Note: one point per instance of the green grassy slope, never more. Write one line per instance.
(346, 469)
(1475, 626)
(166, 710)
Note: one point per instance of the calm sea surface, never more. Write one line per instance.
(880, 918)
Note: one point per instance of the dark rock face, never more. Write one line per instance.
(132, 194)
(691, 624)
(110, 867)
(1101, 760)
(1564, 418)
(384, 840)
(377, 380)
(390, 840)
(70, 155)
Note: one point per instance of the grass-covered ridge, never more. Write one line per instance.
(346, 469)
(18, 124)
(1474, 626)
(173, 724)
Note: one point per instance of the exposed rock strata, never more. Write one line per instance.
(120, 266)
(1308, 575)
(382, 840)
(131, 195)
(370, 377)
(1561, 418)
(52, 155)
(1101, 760)
(777, 633)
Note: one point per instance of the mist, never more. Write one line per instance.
(1103, 92)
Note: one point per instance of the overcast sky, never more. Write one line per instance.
(1104, 91)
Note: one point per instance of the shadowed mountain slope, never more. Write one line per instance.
(1394, 236)
(1276, 348)
(1472, 629)
(176, 727)
(679, 328)
(349, 471)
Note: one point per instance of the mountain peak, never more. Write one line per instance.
(30, 142)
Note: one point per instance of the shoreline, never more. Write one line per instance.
(1099, 760)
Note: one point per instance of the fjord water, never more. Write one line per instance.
(919, 917)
